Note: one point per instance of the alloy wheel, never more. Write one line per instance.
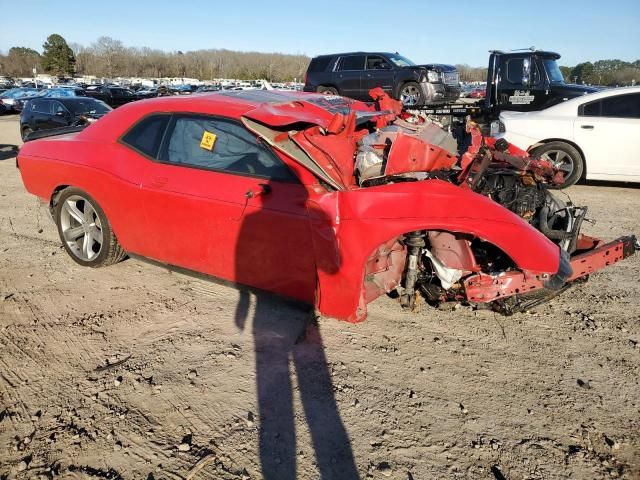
(81, 228)
(410, 95)
(561, 160)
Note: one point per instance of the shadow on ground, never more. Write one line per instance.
(8, 151)
(288, 342)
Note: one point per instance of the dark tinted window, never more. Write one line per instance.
(620, 106)
(319, 64)
(40, 106)
(514, 70)
(352, 62)
(218, 144)
(59, 108)
(146, 136)
(376, 62)
(591, 109)
(88, 105)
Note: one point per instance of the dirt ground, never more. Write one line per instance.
(134, 372)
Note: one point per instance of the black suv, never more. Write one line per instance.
(354, 74)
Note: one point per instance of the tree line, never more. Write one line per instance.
(110, 58)
(604, 72)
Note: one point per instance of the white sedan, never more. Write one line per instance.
(595, 136)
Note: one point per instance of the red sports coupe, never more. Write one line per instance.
(318, 198)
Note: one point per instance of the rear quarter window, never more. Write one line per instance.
(319, 64)
(146, 135)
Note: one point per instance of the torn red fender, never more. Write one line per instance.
(385, 102)
(482, 288)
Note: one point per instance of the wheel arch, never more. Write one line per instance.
(341, 295)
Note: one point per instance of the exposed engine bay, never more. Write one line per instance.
(389, 145)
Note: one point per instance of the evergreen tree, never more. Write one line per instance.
(57, 57)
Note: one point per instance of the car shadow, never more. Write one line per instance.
(287, 342)
(8, 151)
(606, 183)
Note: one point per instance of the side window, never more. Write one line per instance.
(352, 62)
(591, 109)
(514, 70)
(59, 108)
(622, 106)
(319, 64)
(375, 62)
(146, 136)
(217, 144)
(41, 106)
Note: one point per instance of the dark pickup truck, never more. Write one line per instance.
(111, 95)
(354, 74)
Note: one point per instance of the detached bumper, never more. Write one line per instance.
(594, 255)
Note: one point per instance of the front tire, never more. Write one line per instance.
(411, 94)
(564, 157)
(85, 231)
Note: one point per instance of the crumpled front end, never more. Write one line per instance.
(415, 219)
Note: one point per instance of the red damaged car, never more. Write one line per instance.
(318, 198)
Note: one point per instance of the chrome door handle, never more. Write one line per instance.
(587, 127)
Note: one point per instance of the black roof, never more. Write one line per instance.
(68, 99)
(542, 53)
(355, 53)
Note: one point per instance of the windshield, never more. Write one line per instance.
(89, 106)
(400, 61)
(553, 70)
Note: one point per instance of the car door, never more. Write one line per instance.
(348, 75)
(40, 113)
(607, 131)
(521, 84)
(219, 202)
(60, 116)
(378, 73)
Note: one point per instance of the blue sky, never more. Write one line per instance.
(425, 31)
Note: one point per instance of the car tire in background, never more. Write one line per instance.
(563, 156)
(327, 90)
(85, 231)
(24, 133)
(410, 94)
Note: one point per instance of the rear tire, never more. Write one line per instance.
(25, 133)
(327, 90)
(84, 230)
(565, 157)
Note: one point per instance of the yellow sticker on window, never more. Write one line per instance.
(208, 140)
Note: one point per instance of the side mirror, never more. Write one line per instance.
(526, 71)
